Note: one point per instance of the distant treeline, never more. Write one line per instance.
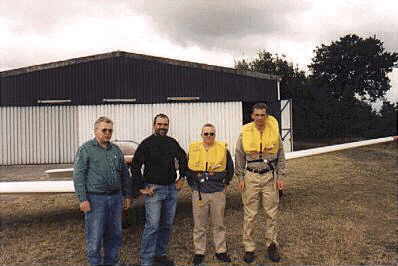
(334, 99)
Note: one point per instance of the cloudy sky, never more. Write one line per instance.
(214, 32)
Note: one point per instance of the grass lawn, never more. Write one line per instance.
(338, 208)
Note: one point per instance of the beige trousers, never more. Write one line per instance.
(212, 206)
(259, 187)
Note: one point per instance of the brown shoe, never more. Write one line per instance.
(273, 253)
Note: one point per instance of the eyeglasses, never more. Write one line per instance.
(209, 134)
(109, 130)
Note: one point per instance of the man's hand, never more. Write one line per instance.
(241, 185)
(180, 184)
(85, 206)
(127, 203)
(149, 191)
(279, 184)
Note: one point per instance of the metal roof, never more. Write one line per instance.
(121, 77)
(91, 58)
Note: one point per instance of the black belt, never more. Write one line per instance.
(257, 161)
(259, 171)
(113, 192)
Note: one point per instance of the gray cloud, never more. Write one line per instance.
(243, 27)
(235, 27)
(47, 16)
(218, 24)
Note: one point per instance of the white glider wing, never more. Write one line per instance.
(28, 187)
(338, 147)
(67, 186)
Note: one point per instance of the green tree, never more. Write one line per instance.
(292, 78)
(329, 103)
(388, 119)
(353, 66)
(349, 69)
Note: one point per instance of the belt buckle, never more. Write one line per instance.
(200, 203)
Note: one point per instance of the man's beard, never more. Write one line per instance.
(161, 132)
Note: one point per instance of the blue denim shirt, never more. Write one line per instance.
(98, 169)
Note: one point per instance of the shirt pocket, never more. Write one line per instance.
(117, 163)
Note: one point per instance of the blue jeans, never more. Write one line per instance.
(104, 228)
(160, 210)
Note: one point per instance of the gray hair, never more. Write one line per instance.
(102, 119)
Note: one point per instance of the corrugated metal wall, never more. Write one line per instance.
(38, 135)
(134, 122)
(41, 135)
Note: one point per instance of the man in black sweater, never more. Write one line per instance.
(158, 153)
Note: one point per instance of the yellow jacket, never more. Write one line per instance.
(268, 140)
(215, 157)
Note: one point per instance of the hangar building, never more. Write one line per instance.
(48, 110)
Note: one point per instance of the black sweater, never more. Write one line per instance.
(158, 154)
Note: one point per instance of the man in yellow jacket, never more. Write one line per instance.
(210, 171)
(259, 165)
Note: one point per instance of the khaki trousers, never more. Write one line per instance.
(213, 206)
(259, 187)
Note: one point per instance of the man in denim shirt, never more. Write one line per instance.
(158, 153)
(101, 182)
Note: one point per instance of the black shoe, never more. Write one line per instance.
(249, 257)
(223, 257)
(198, 259)
(273, 253)
(163, 261)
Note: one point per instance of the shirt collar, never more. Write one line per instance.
(95, 143)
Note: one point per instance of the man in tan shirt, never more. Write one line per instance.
(259, 165)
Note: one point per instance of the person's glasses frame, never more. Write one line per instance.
(209, 134)
(109, 130)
